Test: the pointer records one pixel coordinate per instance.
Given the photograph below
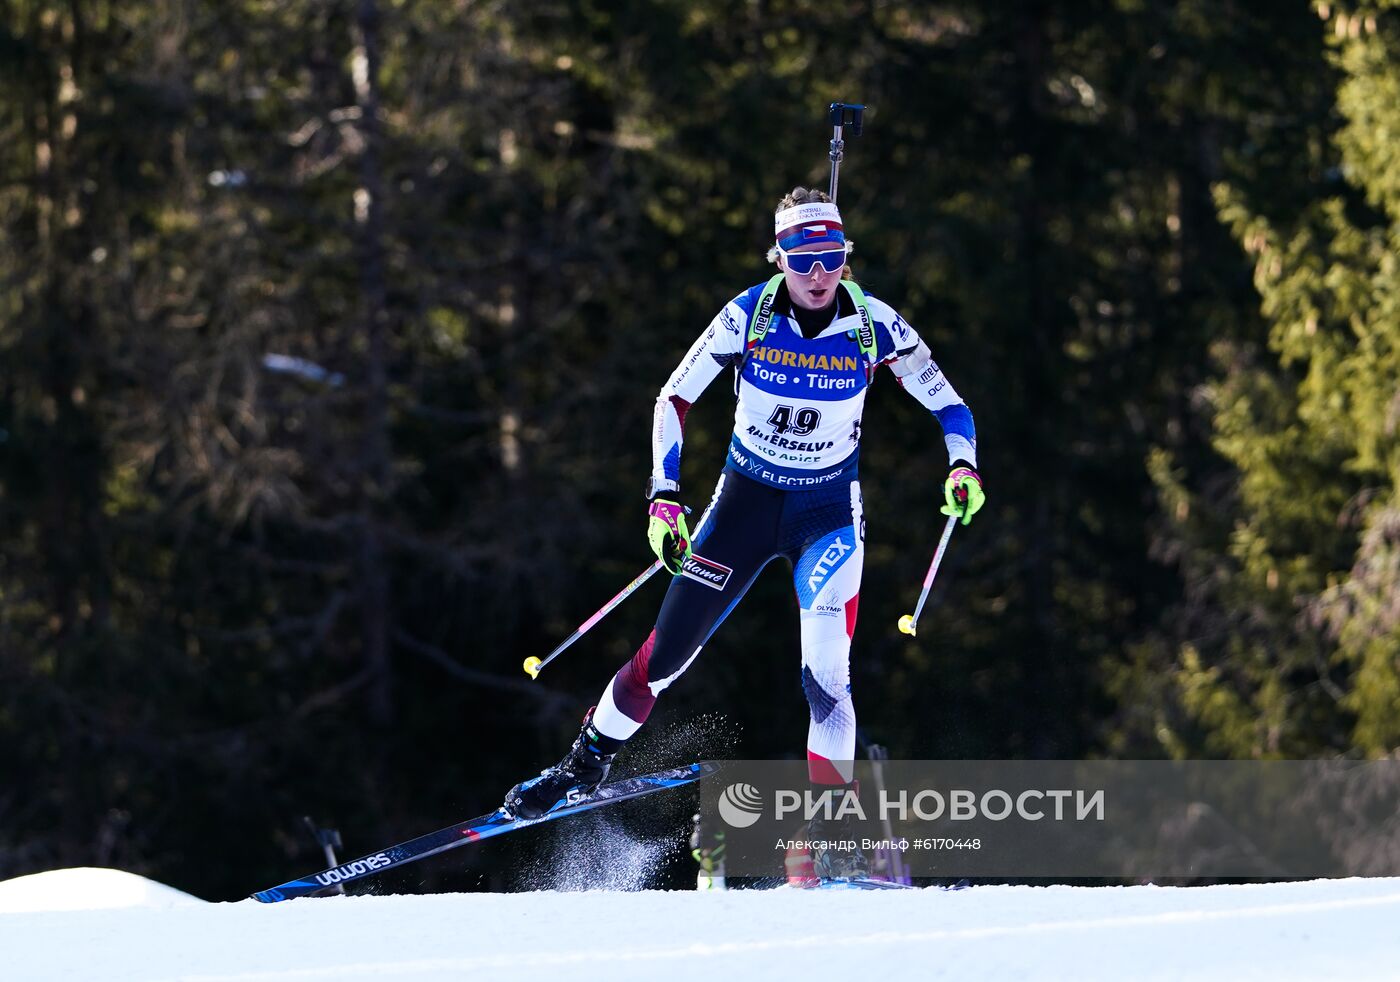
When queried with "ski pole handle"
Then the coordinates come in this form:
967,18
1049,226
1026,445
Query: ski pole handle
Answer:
533,664
909,622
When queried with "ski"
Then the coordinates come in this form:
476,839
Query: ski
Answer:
860,883
476,829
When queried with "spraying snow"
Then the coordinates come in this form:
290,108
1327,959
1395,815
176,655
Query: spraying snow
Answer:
597,852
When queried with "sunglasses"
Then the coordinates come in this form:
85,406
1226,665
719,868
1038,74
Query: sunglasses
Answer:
801,263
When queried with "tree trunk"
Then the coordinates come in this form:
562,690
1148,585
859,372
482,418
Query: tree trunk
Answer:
376,466
1038,670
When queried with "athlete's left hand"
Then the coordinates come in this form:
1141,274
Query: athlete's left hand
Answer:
667,533
962,493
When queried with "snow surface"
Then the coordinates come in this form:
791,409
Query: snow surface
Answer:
1327,929
86,888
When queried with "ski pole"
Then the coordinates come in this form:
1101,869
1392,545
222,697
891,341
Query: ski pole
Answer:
329,840
533,664
909,622
878,755
842,115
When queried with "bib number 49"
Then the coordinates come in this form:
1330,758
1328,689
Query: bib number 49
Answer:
798,422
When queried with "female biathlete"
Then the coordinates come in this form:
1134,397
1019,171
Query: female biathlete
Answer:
805,346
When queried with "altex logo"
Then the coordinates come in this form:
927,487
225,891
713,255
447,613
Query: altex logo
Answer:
740,805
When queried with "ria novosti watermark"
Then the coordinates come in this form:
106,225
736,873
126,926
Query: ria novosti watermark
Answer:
1128,819
931,804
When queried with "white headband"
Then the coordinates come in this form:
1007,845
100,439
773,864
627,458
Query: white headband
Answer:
818,211
803,224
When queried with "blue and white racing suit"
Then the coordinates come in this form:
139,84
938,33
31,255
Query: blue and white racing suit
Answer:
789,488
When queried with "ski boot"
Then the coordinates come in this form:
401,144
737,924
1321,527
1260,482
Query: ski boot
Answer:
836,852
568,782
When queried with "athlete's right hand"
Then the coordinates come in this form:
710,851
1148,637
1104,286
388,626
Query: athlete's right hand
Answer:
667,533
962,493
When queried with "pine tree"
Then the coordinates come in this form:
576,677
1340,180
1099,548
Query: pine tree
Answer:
1288,643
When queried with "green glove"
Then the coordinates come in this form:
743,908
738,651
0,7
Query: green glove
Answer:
667,533
962,493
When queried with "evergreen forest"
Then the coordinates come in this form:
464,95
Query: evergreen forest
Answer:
331,330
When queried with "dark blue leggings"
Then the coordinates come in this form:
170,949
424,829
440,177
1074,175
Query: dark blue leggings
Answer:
821,532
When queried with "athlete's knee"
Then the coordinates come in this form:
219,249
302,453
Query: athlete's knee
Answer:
630,689
655,666
825,692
